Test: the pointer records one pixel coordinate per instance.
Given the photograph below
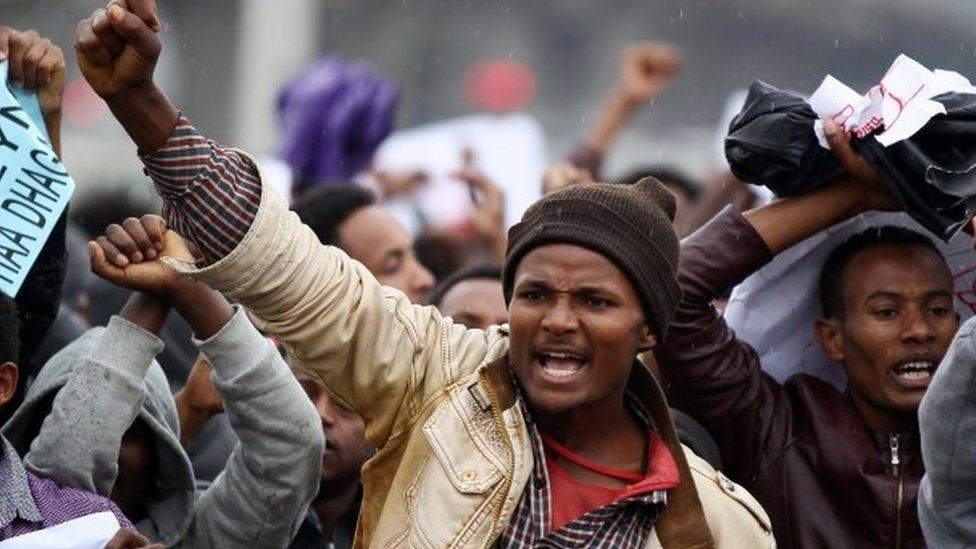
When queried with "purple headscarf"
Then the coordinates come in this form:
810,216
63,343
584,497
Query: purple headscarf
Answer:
333,117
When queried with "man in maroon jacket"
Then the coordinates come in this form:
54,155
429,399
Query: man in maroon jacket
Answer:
832,469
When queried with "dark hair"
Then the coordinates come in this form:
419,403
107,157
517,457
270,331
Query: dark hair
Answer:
324,209
668,176
491,272
9,330
832,275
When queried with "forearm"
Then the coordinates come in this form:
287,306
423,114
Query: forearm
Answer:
615,116
786,222
205,310
52,122
277,427
79,442
146,115
192,419
146,311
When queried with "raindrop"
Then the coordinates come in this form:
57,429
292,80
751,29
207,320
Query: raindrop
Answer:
681,13
836,42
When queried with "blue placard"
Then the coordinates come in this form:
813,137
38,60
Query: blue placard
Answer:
34,185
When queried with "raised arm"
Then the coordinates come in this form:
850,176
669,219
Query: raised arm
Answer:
380,354
714,376
272,474
108,371
646,70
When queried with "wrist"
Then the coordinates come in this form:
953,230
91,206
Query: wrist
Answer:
146,114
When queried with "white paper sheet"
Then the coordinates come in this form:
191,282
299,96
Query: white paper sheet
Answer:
901,104
509,149
88,532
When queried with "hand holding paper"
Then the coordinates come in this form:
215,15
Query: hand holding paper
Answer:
36,66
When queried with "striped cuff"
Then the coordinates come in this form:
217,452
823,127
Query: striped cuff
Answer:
211,193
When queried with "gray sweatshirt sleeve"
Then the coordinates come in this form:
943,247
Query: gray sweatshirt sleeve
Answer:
78,444
947,418
261,497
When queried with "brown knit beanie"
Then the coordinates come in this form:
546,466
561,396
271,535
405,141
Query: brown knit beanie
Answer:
628,224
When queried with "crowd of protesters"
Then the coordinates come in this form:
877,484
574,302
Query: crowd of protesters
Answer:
296,370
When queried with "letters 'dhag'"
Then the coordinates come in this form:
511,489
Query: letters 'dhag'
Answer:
34,186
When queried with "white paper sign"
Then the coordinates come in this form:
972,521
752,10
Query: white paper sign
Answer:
509,149
88,532
901,103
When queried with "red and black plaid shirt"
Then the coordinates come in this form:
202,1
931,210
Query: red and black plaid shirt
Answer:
212,196
625,523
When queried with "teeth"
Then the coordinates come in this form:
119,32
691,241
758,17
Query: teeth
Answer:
926,366
914,375
560,364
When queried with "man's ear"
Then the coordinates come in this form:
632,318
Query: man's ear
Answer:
8,381
830,337
648,339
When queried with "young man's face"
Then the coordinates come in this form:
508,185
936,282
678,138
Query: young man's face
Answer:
376,239
898,323
476,303
346,447
576,326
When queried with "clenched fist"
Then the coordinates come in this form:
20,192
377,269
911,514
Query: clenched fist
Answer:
127,255
118,46
647,69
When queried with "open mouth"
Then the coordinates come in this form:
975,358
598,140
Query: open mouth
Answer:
561,364
915,371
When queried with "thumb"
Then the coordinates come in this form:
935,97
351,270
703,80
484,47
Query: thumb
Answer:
101,266
855,165
135,32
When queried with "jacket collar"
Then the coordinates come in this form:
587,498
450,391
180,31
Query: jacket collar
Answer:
683,523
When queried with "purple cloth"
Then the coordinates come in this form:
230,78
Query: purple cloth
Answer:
32,503
333,117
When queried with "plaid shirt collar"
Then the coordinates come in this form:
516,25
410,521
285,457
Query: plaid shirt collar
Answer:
625,523
17,500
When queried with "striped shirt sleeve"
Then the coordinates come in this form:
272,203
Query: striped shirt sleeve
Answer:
211,194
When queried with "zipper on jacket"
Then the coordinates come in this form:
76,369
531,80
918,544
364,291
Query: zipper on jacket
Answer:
894,443
507,480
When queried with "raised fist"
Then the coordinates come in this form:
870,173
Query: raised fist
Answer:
127,255
118,46
35,64
647,69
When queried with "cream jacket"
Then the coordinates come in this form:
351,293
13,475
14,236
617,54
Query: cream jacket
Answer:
451,462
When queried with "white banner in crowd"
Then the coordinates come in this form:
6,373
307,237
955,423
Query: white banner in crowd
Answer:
34,186
510,150
775,309
88,532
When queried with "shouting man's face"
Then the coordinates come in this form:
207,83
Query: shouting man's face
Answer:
576,326
896,325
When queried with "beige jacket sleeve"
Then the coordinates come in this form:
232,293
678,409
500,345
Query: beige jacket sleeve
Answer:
378,353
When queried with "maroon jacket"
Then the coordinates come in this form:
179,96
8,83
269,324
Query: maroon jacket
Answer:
801,449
